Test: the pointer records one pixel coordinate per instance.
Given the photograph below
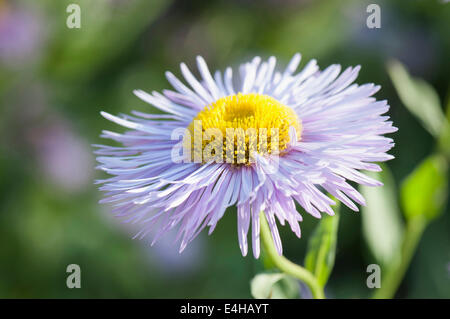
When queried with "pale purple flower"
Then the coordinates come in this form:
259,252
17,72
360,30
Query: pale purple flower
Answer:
64,157
21,35
338,132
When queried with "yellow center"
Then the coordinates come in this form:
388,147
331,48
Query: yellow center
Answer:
236,125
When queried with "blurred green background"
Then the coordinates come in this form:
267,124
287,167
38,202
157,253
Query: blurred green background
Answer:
54,81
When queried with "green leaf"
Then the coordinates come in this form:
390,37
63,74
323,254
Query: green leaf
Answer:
381,218
444,140
424,192
274,286
447,108
419,97
322,248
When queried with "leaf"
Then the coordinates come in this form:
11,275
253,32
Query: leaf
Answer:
322,248
447,108
274,286
444,140
419,97
425,190
381,218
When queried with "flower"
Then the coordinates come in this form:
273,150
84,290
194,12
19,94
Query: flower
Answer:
21,35
319,130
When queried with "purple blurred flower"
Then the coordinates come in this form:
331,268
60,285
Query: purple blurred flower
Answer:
332,129
63,156
21,35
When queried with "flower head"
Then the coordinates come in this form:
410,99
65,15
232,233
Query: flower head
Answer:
264,144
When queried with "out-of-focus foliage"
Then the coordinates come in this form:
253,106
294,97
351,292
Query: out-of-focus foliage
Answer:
381,218
425,191
419,97
422,100
108,28
54,81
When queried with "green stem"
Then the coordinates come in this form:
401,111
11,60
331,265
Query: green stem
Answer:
395,273
286,265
